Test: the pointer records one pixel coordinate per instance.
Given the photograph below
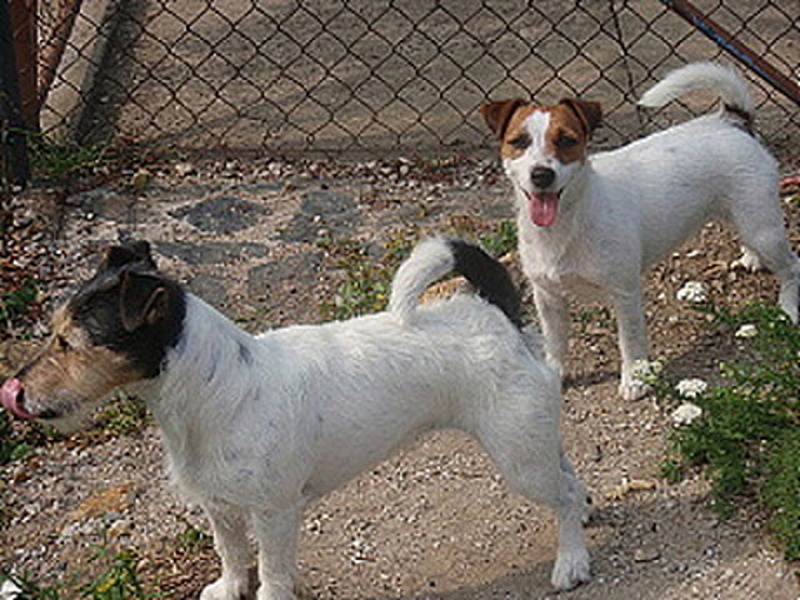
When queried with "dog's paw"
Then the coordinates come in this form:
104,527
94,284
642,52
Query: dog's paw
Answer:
225,589
633,389
571,569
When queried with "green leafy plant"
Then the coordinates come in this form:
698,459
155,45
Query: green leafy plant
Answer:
119,580
16,302
58,159
126,416
747,438
12,446
193,538
503,241
367,281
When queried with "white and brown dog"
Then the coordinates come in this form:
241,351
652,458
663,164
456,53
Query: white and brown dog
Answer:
589,225
255,428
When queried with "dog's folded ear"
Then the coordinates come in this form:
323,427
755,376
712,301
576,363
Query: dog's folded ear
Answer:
498,114
590,114
144,299
119,256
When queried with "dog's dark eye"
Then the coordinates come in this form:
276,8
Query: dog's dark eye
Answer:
566,141
520,142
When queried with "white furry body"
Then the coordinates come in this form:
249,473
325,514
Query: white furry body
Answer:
621,211
256,427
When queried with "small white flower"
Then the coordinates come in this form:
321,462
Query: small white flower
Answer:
685,414
647,370
692,291
746,331
691,388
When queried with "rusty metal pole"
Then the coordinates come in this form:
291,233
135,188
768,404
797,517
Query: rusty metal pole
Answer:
23,32
13,129
735,48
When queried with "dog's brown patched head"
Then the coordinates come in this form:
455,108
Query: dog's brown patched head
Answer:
570,126
115,330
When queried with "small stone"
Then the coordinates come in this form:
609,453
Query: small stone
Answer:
642,555
140,180
184,169
120,528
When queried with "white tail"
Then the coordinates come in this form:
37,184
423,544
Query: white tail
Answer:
429,261
726,81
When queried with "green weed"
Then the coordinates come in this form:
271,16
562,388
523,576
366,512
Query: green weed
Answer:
367,281
17,302
57,160
12,447
126,416
119,580
503,241
747,439
193,538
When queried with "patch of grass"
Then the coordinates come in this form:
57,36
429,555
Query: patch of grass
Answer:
59,159
119,580
12,446
502,241
193,538
368,280
16,302
126,416
748,439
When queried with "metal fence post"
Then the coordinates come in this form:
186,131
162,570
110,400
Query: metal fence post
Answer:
13,140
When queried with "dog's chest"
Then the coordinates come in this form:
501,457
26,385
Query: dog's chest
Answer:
562,270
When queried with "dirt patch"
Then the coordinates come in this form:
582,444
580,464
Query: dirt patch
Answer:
436,521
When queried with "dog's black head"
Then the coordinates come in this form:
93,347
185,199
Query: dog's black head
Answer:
115,330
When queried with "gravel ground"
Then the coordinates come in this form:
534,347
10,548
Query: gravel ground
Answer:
435,521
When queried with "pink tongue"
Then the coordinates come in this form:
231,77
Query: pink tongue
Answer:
8,394
543,208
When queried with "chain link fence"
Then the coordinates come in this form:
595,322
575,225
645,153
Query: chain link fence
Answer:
355,77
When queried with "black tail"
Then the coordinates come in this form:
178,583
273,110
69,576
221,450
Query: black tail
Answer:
490,278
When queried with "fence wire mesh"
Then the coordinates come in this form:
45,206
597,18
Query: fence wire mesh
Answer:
396,76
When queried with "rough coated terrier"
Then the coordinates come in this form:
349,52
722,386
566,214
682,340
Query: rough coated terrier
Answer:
590,225
257,427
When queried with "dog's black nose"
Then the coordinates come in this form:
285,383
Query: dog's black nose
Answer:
542,177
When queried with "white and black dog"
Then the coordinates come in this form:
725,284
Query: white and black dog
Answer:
589,225
255,428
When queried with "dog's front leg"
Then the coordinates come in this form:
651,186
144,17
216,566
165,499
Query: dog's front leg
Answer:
233,547
553,311
276,534
632,341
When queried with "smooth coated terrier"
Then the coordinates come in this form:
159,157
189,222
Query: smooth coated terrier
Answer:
257,427
590,225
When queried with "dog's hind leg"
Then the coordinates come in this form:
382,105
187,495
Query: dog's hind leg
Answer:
525,447
572,562
763,234
632,340
233,547
276,534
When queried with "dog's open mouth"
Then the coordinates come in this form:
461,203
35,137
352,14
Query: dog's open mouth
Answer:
543,207
12,396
